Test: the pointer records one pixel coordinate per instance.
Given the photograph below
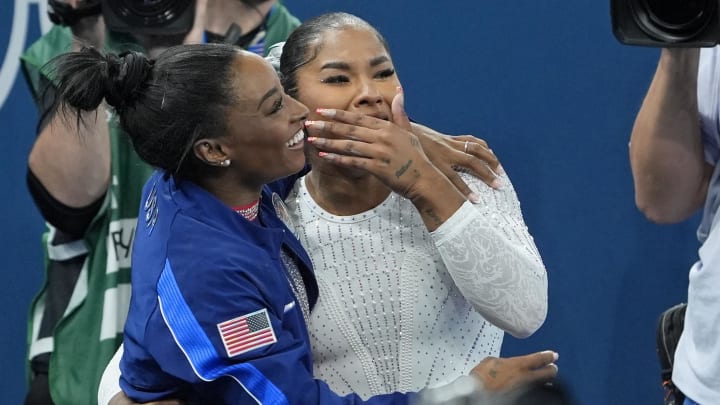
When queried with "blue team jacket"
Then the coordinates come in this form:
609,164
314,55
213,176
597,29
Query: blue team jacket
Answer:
197,267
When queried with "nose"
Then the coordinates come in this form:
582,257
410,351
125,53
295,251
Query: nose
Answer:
300,112
368,95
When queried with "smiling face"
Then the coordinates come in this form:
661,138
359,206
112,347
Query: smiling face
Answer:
264,137
351,71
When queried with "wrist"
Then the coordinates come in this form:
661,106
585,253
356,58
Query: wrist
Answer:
681,62
435,198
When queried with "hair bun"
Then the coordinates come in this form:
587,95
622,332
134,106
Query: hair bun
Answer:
126,76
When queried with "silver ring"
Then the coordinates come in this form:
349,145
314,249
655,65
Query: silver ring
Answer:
466,145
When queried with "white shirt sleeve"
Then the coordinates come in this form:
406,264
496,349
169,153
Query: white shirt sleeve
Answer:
708,93
110,381
493,259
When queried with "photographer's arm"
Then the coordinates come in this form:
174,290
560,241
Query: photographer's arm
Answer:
666,154
75,167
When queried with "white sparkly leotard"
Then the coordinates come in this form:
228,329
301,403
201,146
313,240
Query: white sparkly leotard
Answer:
401,308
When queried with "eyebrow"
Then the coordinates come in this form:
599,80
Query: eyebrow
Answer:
378,60
267,96
345,66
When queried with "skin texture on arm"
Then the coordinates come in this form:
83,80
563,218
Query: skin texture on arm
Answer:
670,174
63,153
73,163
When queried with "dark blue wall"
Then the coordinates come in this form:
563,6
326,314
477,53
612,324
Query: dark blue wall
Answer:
555,95
20,239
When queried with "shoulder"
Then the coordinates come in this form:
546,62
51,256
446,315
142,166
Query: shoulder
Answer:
51,44
281,15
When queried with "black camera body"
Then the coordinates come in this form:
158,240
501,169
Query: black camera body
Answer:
666,23
144,17
149,17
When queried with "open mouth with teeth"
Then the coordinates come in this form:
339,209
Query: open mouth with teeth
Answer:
296,139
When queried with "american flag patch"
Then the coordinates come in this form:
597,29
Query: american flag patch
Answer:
247,332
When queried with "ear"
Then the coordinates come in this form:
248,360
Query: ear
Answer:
210,151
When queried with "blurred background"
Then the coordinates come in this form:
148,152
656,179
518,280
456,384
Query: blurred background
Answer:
555,95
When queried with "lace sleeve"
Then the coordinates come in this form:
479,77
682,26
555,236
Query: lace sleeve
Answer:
493,259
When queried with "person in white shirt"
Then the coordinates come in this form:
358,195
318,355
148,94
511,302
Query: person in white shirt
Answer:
674,153
411,294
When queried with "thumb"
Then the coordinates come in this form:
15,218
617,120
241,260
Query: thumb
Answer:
400,117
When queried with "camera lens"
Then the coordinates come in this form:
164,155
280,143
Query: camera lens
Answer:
677,13
150,12
673,20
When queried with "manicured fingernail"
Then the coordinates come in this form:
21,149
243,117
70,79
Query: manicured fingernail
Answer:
315,124
325,155
497,184
326,112
500,170
555,354
473,197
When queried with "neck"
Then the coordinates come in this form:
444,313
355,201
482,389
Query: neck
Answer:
223,13
232,193
344,193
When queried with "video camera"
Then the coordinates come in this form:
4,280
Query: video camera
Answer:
666,23
145,17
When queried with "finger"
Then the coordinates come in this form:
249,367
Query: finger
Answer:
345,147
484,153
458,182
478,168
399,116
472,139
544,374
539,359
347,161
353,118
338,129
481,152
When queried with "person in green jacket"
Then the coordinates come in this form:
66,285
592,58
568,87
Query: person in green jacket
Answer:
87,189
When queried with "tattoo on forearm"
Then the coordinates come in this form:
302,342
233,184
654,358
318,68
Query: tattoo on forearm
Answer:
492,373
415,141
403,169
